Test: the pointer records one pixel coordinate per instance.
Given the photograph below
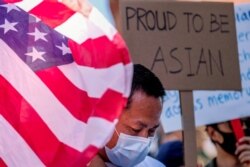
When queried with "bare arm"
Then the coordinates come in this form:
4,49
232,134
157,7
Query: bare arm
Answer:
97,161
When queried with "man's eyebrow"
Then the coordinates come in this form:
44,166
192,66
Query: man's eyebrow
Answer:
156,126
144,125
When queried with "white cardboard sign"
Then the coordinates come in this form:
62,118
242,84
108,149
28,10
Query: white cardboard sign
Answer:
188,45
216,106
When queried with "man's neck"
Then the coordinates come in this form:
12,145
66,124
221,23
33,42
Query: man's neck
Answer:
225,159
103,155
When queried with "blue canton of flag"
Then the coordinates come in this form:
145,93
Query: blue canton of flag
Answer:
64,79
38,45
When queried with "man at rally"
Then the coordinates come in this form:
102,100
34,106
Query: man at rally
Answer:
230,152
137,124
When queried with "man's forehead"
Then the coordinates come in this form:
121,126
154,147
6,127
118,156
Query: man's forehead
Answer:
156,123
245,119
146,124
244,122
133,118
226,124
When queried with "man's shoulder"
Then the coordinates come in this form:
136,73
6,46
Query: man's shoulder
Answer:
97,161
149,162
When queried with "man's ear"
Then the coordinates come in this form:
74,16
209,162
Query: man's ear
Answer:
210,131
214,135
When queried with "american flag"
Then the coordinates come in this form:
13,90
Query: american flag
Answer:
64,79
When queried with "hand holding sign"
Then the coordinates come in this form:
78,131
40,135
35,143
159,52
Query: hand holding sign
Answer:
243,151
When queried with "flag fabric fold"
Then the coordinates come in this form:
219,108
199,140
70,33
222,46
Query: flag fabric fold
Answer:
64,79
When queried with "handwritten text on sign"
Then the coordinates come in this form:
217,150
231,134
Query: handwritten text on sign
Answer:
188,45
216,106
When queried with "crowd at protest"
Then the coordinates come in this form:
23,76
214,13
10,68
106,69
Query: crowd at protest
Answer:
217,145
139,140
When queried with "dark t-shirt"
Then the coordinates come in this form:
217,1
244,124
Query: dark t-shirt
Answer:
212,163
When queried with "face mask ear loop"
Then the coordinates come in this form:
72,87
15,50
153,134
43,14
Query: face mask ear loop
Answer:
153,138
117,132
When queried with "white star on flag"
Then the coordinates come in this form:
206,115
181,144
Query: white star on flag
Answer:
38,35
65,50
36,55
7,26
10,7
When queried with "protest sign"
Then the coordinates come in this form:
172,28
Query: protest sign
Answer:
189,45
216,106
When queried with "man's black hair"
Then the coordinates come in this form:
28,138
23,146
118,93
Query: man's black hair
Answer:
146,81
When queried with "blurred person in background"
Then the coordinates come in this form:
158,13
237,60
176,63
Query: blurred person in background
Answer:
171,154
171,149
230,152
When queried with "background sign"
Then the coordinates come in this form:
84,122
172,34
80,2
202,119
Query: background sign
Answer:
189,45
217,106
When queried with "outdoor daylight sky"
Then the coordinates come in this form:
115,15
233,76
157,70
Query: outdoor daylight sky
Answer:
103,6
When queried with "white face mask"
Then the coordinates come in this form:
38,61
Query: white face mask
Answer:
129,150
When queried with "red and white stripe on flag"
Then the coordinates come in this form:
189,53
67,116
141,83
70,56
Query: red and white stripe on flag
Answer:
61,115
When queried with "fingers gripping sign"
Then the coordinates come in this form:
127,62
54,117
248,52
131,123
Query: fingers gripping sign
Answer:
243,151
